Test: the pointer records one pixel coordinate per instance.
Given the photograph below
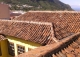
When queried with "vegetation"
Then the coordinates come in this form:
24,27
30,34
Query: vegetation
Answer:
36,5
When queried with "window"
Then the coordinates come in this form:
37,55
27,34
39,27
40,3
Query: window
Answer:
0,52
11,48
20,49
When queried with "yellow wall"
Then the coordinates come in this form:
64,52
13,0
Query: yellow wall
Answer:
21,42
4,48
0,47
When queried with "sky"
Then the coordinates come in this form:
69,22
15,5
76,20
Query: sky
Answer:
72,3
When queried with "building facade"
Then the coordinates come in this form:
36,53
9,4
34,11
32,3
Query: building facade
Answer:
4,12
12,46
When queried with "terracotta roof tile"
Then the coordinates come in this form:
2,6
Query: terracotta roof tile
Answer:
31,31
72,49
2,37
65,22
64,48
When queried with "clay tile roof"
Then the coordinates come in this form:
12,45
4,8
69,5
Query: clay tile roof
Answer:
39,32
2,37
65,23
68,47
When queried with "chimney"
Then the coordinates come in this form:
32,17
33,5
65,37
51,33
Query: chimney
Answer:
4,12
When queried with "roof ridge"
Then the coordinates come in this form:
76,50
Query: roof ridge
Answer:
33,22
57,11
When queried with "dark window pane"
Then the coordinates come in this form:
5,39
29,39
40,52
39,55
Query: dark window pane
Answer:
21,49
11,48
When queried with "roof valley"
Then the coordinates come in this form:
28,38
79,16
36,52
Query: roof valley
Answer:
53,33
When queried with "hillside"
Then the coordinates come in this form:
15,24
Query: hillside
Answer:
36,5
